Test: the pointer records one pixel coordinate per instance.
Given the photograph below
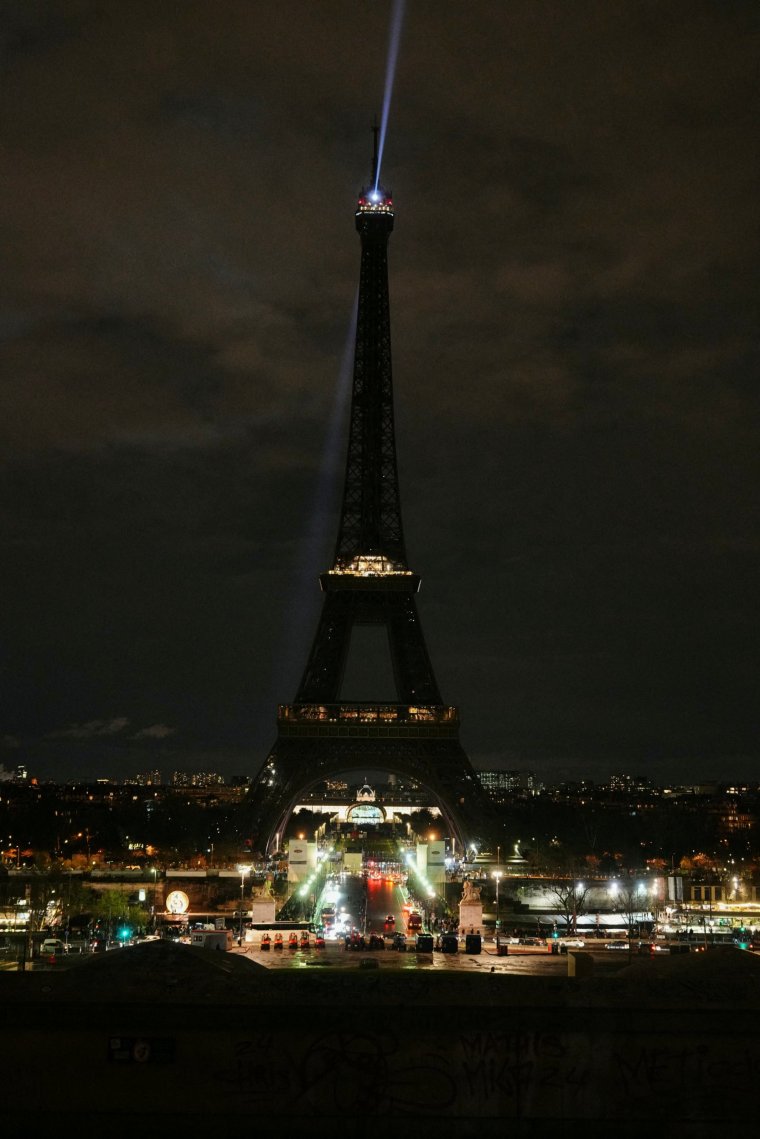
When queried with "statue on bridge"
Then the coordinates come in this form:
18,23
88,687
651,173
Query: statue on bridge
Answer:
263,889
470,892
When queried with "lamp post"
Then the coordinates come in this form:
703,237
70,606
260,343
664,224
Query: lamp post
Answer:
496,875
655,906
243,871
154,872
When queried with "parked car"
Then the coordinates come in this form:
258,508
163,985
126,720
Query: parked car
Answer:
52,947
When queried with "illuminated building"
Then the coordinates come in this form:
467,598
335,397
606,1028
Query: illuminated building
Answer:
321,734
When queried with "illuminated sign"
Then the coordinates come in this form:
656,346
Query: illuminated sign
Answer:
177,902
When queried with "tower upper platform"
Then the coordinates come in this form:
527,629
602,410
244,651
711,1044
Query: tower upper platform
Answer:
374,211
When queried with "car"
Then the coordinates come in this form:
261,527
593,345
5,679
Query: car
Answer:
52,947
573,942
616,945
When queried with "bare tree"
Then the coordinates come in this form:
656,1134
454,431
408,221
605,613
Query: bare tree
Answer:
632,904
570,902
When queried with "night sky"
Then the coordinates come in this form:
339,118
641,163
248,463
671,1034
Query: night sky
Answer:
574,291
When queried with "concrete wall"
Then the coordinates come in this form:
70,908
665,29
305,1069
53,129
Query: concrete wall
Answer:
465,1055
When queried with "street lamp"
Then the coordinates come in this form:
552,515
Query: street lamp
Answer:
154,872
578,888
496,875
243,870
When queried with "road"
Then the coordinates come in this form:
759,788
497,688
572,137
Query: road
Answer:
368,902
383,898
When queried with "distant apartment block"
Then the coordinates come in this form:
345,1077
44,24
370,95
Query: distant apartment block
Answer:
629,783
145,779
197,779
499,784
336,786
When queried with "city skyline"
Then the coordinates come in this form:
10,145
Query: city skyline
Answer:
574,343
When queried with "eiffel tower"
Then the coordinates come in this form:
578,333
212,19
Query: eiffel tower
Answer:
369,583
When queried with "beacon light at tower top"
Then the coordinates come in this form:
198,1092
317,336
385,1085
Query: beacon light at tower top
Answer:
375,200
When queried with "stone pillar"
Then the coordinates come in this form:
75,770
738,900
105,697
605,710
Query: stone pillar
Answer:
471,916
263,910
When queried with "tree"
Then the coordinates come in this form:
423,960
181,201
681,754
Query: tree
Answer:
44,900
632,904
115,910
422,822
76,898
570,901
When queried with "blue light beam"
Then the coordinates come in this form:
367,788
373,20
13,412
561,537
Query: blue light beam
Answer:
305,598
394,39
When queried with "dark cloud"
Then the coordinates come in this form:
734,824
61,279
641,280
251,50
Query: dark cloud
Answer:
155,732
574,290
92,729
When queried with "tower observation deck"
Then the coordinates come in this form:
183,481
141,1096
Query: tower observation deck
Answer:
369,583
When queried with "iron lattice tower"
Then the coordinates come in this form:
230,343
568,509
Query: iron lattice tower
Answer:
369,583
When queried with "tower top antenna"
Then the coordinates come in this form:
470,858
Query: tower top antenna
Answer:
373,198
